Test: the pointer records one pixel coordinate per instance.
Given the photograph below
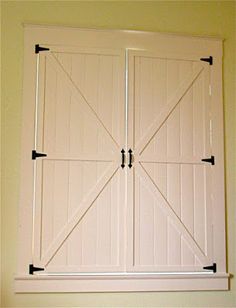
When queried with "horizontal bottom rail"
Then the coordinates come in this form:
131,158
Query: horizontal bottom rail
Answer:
128,274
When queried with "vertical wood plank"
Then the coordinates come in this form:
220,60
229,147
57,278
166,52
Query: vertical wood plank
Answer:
77,114
89,225
173,134
60,209
200,206
136,96
76,195
115,219
173,150
49,139
159,89
172,79
136,219
199,117
173,188
62,139
90,145
146,232
47,204
161,242
187,256
145,93
187,202
174,244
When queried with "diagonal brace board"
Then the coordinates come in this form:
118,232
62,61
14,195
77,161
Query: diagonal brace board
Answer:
85,205
166,207
167,110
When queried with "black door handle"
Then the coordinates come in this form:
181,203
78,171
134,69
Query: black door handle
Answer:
122,158
130,158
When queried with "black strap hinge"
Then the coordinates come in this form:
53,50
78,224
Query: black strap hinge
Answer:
40,48
33,269
211,267
36,154
209,160
209,60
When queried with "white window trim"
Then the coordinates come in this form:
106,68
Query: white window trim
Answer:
24,282
124,283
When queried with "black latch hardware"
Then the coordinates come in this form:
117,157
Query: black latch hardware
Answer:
130,158
33,269
209,60
40,48
209,160
36,155
122,158
211,267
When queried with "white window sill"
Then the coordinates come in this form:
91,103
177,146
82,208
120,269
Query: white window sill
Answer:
120,282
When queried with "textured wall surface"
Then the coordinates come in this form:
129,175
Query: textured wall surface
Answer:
205,18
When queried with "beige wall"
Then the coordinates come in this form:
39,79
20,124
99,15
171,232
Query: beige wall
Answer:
206,18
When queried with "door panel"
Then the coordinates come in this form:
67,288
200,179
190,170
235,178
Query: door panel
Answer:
171,204
82,219
69,107
79,191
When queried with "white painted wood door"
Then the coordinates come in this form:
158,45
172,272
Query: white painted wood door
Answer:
170,210
79,186
80,210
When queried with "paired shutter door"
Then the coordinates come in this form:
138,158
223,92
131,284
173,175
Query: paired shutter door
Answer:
92,215
79,219
170,133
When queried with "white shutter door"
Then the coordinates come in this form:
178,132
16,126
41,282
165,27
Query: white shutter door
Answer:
170,187
79,195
